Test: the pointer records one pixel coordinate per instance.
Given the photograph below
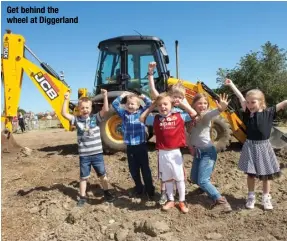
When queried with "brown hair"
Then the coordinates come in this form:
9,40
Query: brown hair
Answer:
197,97
258,94
84,99
162,96
177,88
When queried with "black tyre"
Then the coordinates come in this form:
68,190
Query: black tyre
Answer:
221,133
111,133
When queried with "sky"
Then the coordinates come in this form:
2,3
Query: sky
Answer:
211,35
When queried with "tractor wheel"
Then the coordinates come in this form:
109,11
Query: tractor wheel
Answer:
221,133
111,133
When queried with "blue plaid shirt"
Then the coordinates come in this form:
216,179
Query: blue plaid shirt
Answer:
133,129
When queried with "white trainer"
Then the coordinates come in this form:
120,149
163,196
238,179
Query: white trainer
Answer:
250,202
266,202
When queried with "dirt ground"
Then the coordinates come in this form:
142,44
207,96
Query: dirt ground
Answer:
40,188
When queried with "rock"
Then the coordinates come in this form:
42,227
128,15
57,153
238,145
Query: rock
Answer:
26,151
111,221
112,236
34,209
213,236
167,237
103,229
150,228
122,234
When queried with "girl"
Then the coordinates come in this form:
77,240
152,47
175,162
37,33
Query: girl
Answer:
257,157
203,150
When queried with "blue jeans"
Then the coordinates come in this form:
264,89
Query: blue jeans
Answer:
202,168
95,161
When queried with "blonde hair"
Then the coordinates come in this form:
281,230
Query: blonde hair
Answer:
177,88
197,97
162,96
258,94
131,96
84,99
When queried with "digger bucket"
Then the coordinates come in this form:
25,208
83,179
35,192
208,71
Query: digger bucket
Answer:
8,143
278,138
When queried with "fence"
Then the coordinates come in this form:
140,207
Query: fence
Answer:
37,125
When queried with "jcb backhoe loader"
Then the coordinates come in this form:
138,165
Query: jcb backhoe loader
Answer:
122,66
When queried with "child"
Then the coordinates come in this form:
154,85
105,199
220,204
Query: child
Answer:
203,150
89,143
177,93
135,139
257,157
170,137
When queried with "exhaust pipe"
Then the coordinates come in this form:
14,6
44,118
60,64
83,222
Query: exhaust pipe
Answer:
176,58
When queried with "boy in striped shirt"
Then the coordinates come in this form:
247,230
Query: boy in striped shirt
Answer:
135,139
89,143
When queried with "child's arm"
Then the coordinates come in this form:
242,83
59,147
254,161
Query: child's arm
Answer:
117,105
145,114
105,107
147,102
151,67
282,105
241,98
221,106
65,107
185,105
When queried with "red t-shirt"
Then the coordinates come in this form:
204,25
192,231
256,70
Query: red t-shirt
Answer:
169,131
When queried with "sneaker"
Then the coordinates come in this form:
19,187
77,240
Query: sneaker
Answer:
250,202
109,197
183,207
266,202
168,205
222,205
163,199
81,201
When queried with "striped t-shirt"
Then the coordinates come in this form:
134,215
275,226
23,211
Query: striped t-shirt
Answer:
88,132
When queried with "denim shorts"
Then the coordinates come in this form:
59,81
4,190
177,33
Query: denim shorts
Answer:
96,161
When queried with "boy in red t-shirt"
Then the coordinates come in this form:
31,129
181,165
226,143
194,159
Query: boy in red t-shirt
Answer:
170,137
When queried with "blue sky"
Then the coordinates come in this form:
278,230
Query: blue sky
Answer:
210,34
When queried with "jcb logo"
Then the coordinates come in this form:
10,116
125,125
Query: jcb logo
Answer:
47,85
5,50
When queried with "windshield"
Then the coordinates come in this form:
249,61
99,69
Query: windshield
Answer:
108,66
139,55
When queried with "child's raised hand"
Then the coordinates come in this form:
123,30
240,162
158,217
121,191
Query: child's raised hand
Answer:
223,103
228,82
104,92
67,95
151,67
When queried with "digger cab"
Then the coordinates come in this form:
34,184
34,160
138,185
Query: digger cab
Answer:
123,64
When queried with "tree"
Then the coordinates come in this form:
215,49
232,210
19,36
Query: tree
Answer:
265,70
21,110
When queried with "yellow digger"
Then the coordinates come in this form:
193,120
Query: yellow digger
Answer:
122,66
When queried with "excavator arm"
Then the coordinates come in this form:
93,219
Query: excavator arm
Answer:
47,81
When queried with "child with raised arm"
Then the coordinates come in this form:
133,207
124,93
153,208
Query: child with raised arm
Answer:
177,93
203,150
257,157
135,139
89,143
169,130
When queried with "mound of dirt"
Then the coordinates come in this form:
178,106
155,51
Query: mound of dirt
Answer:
8,143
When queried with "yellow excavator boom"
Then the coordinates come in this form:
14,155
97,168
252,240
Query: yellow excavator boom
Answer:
13,65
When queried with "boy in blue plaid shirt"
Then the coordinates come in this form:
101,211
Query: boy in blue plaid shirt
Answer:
135,139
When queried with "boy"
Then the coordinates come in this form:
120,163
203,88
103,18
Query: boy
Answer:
135,139
170,137
177,94
89,143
